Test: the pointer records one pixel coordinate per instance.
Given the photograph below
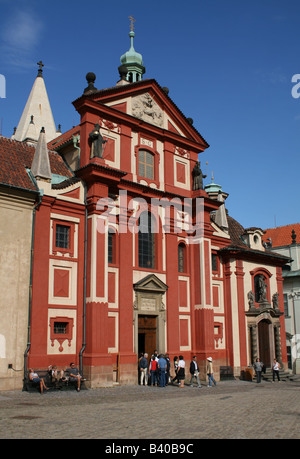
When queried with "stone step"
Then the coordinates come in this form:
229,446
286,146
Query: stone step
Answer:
268,375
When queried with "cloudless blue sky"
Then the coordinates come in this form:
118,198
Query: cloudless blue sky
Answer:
228,65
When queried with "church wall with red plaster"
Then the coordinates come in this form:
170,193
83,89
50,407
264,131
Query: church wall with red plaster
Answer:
198,311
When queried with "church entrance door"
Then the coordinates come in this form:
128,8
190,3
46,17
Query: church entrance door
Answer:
149,315
146,334
264,342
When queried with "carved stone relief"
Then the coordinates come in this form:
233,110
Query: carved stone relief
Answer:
146,109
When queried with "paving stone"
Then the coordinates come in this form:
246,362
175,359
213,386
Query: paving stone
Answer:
231,410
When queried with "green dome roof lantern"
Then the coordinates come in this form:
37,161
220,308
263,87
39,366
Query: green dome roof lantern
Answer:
213,187
133,60
132,57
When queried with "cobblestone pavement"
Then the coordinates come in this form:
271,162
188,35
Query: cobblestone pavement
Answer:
232,410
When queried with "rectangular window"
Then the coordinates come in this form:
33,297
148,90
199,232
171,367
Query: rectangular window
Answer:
146,164
62,237
286,304
146,242
214,262
111,249
146,251
60,328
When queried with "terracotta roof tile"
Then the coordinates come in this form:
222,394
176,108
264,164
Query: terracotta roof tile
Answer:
282,235
235,230
64,138
16,156
58,166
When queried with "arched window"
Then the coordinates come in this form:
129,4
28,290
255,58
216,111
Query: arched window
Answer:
146,164
182,258
146,239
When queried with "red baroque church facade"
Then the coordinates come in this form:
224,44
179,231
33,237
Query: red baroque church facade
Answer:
132,253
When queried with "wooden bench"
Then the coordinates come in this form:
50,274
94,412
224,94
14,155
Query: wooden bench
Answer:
52,384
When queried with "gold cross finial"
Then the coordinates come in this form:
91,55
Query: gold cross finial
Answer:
132,20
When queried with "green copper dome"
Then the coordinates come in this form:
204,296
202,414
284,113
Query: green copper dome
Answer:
213,188
133,61
132,57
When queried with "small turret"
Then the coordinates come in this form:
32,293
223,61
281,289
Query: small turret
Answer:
131,60
40,167
215,191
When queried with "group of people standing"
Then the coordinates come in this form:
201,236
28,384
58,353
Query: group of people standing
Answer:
259,368
157,371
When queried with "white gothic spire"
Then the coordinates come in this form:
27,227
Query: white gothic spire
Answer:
38,111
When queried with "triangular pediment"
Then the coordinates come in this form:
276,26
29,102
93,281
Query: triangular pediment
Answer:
151,283
147,101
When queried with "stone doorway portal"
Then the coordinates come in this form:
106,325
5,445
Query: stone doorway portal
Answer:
264,334
149,315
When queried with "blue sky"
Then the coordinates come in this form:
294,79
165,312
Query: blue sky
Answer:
228,65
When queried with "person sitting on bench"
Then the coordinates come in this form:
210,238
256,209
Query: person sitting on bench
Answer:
75,376
55,374
34,377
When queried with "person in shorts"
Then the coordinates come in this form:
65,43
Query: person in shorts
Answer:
75,376
34,377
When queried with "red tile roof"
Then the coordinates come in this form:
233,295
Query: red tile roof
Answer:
64,138
282,235
236,230
16,156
